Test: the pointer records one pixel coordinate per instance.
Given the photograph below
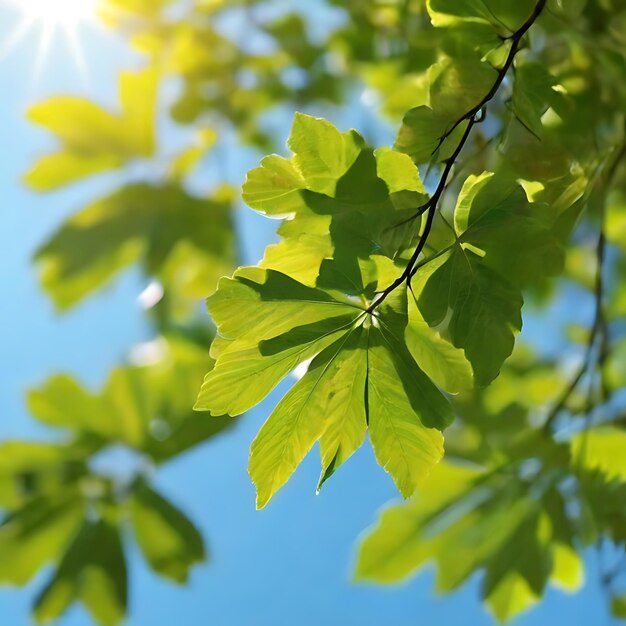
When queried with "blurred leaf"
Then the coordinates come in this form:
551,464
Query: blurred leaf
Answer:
618,606
93,571
533,92
31,469
169,541
146,408
138,223
37,534
465,523
93,139
602,449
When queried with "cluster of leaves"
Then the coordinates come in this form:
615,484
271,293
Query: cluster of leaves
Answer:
354,227
399,279
400,298
66,509
59,507
509,502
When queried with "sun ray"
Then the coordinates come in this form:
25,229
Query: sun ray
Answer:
47,31
76,49
16,37
52,17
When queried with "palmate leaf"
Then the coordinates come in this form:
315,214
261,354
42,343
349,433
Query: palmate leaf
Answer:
61,509
361,374
145,408
185,241
466,522
341,198
350,220
93,571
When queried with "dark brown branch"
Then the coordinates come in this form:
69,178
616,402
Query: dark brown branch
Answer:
516,40
473,117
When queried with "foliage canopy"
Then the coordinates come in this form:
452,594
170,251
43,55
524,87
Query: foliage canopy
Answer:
398,285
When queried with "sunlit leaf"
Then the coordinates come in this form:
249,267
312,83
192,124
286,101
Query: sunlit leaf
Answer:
92,138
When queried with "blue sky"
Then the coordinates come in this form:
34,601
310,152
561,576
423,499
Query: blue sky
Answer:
289,564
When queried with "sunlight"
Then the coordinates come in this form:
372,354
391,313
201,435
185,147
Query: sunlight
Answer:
50,16
58,12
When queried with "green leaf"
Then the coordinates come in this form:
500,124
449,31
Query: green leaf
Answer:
147,408
242,377
63,403
505,15
93,571
332,391
419,135
485,308
36,534
139,223
34,469
533,93
274,187
494,215
346,410
93,139
170,543
322,154
458,84
397,546
280,304
293,323
343,200
403,405
512,596
601,449
618,606
302,321
304,246
439,359
568,572
465,522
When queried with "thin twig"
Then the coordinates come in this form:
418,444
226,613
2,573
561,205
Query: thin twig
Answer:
598,331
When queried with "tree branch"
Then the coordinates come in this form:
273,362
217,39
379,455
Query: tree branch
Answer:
598,331
473,117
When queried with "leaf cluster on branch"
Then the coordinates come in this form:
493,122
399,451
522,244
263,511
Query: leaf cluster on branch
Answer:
397,289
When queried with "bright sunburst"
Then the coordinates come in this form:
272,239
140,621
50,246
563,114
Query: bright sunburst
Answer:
66,13
49,17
